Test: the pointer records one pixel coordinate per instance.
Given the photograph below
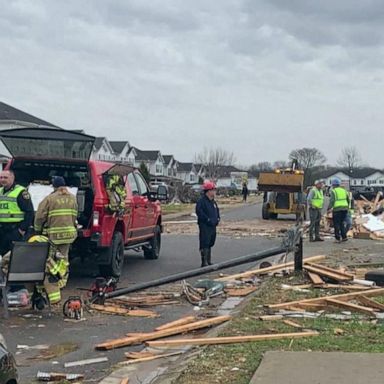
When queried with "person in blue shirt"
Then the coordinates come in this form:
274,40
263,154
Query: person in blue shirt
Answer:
208,218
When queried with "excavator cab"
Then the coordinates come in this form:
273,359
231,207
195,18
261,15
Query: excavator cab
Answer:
283,192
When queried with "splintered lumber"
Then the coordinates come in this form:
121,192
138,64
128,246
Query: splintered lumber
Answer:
347,287
240,292
333,270
86,362
138,355
370,303
230,339
292,323
126,341
335,275
123,311
124,381
351,307
177,323
343,296
315,278
150,358
271,317
274,268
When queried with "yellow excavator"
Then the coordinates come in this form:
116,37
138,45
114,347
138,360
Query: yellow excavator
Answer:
283,192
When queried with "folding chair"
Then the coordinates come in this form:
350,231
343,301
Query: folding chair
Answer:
27,265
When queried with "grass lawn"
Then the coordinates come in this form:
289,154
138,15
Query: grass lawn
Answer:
168,209
237,363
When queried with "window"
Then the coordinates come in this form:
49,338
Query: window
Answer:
191,177
354,182
362,182
142,185
133,184
159,168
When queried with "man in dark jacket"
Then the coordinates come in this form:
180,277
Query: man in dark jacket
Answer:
208,217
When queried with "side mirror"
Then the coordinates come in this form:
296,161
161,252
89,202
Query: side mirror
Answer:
162,193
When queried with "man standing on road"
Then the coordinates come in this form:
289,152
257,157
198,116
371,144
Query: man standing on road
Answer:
208,217
57,216
339,205
315,203
16,211
245,192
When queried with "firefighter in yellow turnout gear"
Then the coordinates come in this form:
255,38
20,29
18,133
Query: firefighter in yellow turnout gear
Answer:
57,218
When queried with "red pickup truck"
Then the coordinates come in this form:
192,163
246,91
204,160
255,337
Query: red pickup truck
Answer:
38,154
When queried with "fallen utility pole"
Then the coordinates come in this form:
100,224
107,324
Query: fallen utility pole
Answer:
289,243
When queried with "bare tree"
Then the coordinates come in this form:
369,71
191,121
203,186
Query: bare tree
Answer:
308,159
350,158
280,164
213,159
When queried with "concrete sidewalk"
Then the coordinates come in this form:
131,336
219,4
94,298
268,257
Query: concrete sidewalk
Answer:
320,368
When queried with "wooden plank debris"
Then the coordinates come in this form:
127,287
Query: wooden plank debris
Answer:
124,381
86,362
150,358
315,278
123,311
274,268
332,270
351,307
334,275
230,339
370,303
177,323
125,341
343,296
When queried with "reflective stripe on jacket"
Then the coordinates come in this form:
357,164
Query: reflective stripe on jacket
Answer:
10,211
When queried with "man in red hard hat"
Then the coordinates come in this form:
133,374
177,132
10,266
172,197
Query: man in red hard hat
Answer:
208,217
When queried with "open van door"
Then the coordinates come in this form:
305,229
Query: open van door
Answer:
47,144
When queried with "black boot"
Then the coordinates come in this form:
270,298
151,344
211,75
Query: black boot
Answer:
204,257
209,261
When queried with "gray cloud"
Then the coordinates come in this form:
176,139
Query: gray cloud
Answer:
258,77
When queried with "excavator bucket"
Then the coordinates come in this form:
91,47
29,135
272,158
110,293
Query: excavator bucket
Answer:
281,182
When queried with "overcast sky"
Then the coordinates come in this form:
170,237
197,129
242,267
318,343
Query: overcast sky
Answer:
256,77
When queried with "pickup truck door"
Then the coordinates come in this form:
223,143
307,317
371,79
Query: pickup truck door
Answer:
147,212
137,206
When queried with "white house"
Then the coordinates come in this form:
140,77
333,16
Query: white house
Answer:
229,176
102,150
358,178
153,160
124,152
187,173
170,166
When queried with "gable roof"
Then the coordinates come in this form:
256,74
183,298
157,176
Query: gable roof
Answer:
358,173
99,142
9,113
118,146
169,159
226,170
147,155
185,167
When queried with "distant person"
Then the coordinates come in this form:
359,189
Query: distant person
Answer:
208,218
315,201
245,192
339,206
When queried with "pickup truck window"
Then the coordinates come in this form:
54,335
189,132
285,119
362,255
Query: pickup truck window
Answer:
142,185
133,184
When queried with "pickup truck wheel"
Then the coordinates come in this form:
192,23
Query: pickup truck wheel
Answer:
153,251
264,212
116,257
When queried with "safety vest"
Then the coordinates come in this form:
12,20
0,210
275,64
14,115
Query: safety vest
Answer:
318,198
10,211
341,198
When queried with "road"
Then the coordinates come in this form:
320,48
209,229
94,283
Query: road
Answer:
179,253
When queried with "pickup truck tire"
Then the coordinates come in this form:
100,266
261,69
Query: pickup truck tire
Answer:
273,216
116,257
153,251
264,211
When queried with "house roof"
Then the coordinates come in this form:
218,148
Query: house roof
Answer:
358,173
7,112
168,159
226,170
99,142
147,155
185,167
118,146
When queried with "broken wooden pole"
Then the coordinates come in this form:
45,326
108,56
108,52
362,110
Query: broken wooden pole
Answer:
177,323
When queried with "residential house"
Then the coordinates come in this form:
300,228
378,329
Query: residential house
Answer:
123,152
358,178
170,166
230,176
153,160
11,117
200,168
102,150
187,173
